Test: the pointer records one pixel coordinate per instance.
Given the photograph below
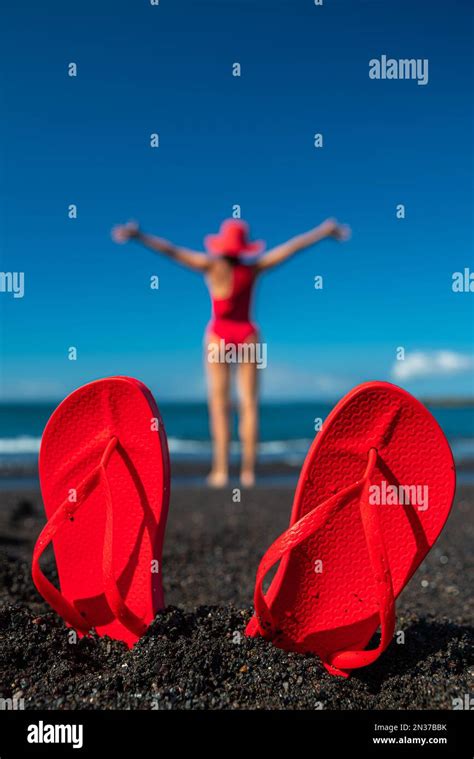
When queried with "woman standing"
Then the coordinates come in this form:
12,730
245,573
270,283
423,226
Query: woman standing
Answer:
230,280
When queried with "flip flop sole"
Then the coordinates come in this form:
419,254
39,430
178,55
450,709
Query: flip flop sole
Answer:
324,596
138,473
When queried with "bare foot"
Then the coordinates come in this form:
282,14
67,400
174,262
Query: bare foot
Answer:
247,479
217,479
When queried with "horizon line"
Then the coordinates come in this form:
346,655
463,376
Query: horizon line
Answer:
439,401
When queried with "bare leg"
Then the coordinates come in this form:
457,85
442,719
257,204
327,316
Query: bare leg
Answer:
248,422
219,407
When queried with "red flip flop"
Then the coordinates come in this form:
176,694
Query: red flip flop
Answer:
373,495
104,471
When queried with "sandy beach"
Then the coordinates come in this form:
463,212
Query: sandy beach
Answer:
195,655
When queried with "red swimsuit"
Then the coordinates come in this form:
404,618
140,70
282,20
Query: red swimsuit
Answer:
230,316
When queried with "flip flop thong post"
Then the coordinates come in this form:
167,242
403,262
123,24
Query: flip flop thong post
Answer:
104,472
373,496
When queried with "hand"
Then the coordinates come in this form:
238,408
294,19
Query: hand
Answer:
332,228
125,232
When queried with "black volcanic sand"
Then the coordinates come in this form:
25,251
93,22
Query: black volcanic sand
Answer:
195,655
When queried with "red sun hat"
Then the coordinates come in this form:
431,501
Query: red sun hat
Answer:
233,240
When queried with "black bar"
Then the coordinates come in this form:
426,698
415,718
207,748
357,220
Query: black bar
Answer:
106,734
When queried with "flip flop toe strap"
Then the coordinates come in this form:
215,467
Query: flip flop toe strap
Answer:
300,531
111,589
307,526
386,601
64,513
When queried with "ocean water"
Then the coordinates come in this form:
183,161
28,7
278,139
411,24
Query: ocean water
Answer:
286,431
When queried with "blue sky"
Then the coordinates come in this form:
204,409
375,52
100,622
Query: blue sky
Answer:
225,141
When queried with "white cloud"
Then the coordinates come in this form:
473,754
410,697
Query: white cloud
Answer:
431,363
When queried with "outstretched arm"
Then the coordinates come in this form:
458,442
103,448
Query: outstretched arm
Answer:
189,258
329,228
